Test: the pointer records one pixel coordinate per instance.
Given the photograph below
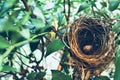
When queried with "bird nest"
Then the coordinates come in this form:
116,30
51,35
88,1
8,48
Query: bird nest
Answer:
91,43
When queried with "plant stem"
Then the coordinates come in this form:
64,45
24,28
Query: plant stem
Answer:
17,45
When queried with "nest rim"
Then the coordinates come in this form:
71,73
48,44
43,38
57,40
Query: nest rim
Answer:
91,59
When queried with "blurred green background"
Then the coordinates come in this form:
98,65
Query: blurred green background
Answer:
30,30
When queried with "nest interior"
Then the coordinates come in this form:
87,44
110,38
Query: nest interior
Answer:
91,43
91,36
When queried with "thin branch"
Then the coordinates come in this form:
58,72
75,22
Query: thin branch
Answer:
64,7
68,63
2,56
27,8
68,11
114,19
3,75
23,62
22,55
54,30
10,73
42,49
102,14
93,11
24,51
14,75
65,10
68,15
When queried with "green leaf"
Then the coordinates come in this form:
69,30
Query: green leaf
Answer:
31,76
61,19
3,43
76,0
14,15
2,51
47,28
34,45
93,3
58,2
55,45
39,23
65,68
104,4
40,75
36,76
57,75
6,25
65,55
113,4
101,78
116,27
16,37
39,13
7,69
83,6
117,65
25,18
117,40
7,5
49,5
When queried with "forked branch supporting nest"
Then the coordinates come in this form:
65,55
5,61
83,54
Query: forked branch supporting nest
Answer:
92,45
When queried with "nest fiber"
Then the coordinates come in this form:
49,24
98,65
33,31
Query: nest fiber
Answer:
91,43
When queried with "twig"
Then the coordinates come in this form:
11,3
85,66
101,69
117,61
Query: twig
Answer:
42,49
114,19
10,73
23,62
64,7
68,63
93,11
27,8
54,30
68,11
68,15
22,55
2,56
4,74
24,51
65,10
65,42
102,14
14,75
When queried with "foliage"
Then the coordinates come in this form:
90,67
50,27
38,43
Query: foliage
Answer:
57,75
117,64
41,25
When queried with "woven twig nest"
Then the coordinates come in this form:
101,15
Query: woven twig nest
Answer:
91,43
